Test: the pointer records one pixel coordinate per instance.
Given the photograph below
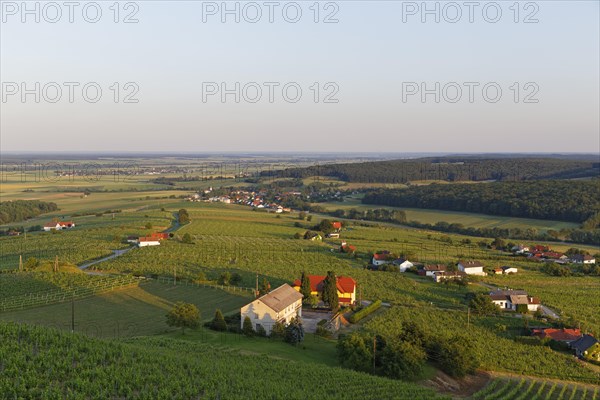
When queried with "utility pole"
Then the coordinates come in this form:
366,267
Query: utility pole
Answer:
174,275
468,316
374,351
256,294
56,264
20,263
73,314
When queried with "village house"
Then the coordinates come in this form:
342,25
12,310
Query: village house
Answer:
510,299
520,249
133,239
430,270
559,335
440,276
346,288
333,235
583,259
279,305
586,347
471,267
402,264
382,257
509,270
148,241
498,271
58,225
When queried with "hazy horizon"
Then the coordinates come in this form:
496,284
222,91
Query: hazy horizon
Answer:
374,69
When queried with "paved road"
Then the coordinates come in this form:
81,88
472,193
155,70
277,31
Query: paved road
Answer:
115,254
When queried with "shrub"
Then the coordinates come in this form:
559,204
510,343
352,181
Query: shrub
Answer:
371,308
218,323
247,327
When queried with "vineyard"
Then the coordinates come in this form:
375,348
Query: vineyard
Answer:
68,287
495,352
42,363
94,237
570,296
531,389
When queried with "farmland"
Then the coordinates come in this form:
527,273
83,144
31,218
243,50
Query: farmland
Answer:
133,311
166,368
522,389
118,324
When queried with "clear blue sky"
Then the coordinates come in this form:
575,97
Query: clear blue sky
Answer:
369,54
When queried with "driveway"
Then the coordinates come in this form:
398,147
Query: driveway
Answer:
310,319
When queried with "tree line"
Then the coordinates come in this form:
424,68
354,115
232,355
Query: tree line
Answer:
451,169
21,210
574,201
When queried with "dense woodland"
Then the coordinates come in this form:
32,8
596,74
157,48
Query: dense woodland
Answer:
21,210
575,201
450,169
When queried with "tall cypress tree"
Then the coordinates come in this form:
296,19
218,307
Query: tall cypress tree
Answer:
305,287
330,295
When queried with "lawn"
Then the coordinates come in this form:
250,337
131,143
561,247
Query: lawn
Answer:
314,349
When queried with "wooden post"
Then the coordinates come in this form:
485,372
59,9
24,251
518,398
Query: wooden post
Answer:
468,316
20,263
374,351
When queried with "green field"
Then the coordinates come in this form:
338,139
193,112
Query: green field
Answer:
469,220
522,389
46,364
134,311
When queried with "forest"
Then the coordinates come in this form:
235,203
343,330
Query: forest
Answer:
21,210
451,169
574,201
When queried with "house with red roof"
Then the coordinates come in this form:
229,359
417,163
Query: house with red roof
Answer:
58,225
559,335
337,225
346,288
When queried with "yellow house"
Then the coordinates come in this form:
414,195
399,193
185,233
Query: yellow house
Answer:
279,305
346,288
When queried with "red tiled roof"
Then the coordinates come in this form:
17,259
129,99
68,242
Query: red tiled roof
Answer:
345,284
564,335
336,225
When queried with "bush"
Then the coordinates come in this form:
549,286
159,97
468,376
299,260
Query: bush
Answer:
278,331
260,331
371,308
247,327
218,323
294,332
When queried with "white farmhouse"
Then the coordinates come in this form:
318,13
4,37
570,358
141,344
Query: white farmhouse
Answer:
509,270
471,267
279,305
583,259
509,299
148,241
403,264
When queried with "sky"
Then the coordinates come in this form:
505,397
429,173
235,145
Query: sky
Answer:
344,76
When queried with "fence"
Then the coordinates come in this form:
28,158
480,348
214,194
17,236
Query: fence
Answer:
185,282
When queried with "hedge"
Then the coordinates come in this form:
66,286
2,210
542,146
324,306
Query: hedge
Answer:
357,316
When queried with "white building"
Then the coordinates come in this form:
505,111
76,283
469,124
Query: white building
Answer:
279,305
509,270
58,225
403,264
471,268
509,299
583,259
148,241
